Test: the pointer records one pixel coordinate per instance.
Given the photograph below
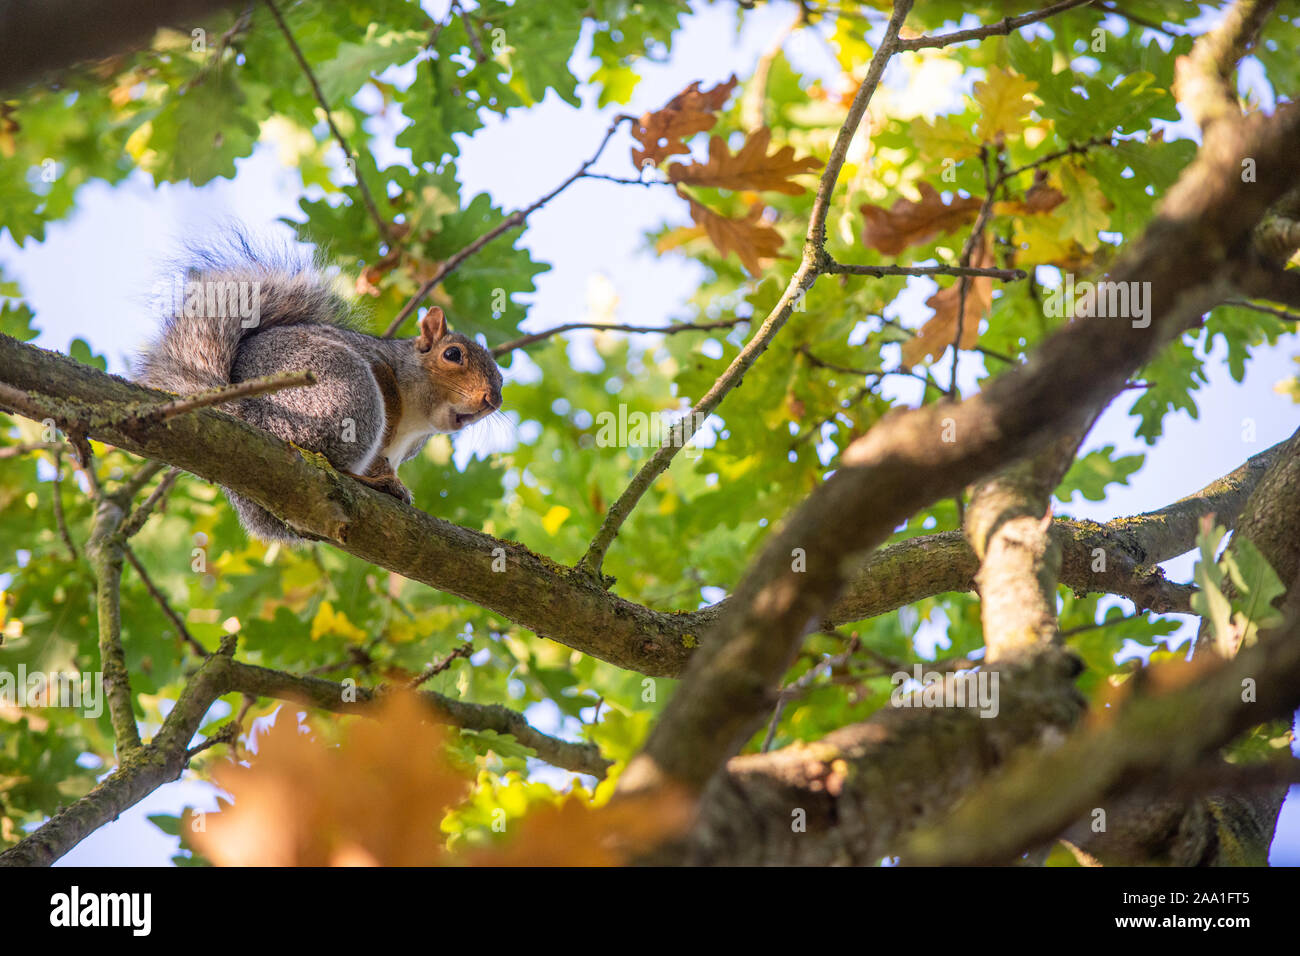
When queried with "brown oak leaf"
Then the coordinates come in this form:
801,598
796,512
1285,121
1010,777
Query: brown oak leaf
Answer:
908,223
663,133
1041,199
749,238
941,328
750,168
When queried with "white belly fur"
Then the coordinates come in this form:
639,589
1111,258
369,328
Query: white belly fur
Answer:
406,440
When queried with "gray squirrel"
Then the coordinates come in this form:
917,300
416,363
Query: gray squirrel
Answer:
247,313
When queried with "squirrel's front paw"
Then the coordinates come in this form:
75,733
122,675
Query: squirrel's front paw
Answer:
392,485
399,491
388,484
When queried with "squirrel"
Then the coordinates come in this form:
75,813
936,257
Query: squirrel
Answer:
375,402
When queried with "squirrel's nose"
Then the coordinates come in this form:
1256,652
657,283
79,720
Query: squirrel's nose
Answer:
492,399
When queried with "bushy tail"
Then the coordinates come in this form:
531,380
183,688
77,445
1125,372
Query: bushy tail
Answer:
221,296
225,294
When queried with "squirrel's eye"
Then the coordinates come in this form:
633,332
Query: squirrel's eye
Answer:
452,355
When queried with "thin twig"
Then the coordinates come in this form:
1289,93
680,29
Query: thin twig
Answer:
1004,275
1119,11
1074,149
132,486
1279,313
512,221
436,668
797,687
227,733
832,367
851,402
629,182
162,602
224,394
471,29
58,503
812,264
16,451
534,337
1003,27
976,237
241,24
384,226
132,525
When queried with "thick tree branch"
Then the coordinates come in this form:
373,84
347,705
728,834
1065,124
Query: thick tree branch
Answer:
1008,525
1177,831
537,594
861,789
1203,82
864,789
37,36
913,458
1155,737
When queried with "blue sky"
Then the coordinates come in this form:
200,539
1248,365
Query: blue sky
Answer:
93,275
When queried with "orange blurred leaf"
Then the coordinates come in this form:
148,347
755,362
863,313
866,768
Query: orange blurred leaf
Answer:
575,834
377,799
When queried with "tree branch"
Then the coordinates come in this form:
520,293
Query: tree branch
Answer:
905,462
1202,81
164,758
1008,525
1003,27
534,337
385,228
38,36
1155,737
533,592
1004,275
812,264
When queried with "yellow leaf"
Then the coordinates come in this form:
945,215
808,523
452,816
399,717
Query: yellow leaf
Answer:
851,50
1083,213
329,621
137,144
943,139
1003,98
555,517
675,238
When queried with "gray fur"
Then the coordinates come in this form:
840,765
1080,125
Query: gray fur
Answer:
302,326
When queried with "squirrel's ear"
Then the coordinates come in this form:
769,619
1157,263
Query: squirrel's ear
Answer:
432,328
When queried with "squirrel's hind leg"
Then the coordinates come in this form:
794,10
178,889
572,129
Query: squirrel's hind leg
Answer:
340,417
